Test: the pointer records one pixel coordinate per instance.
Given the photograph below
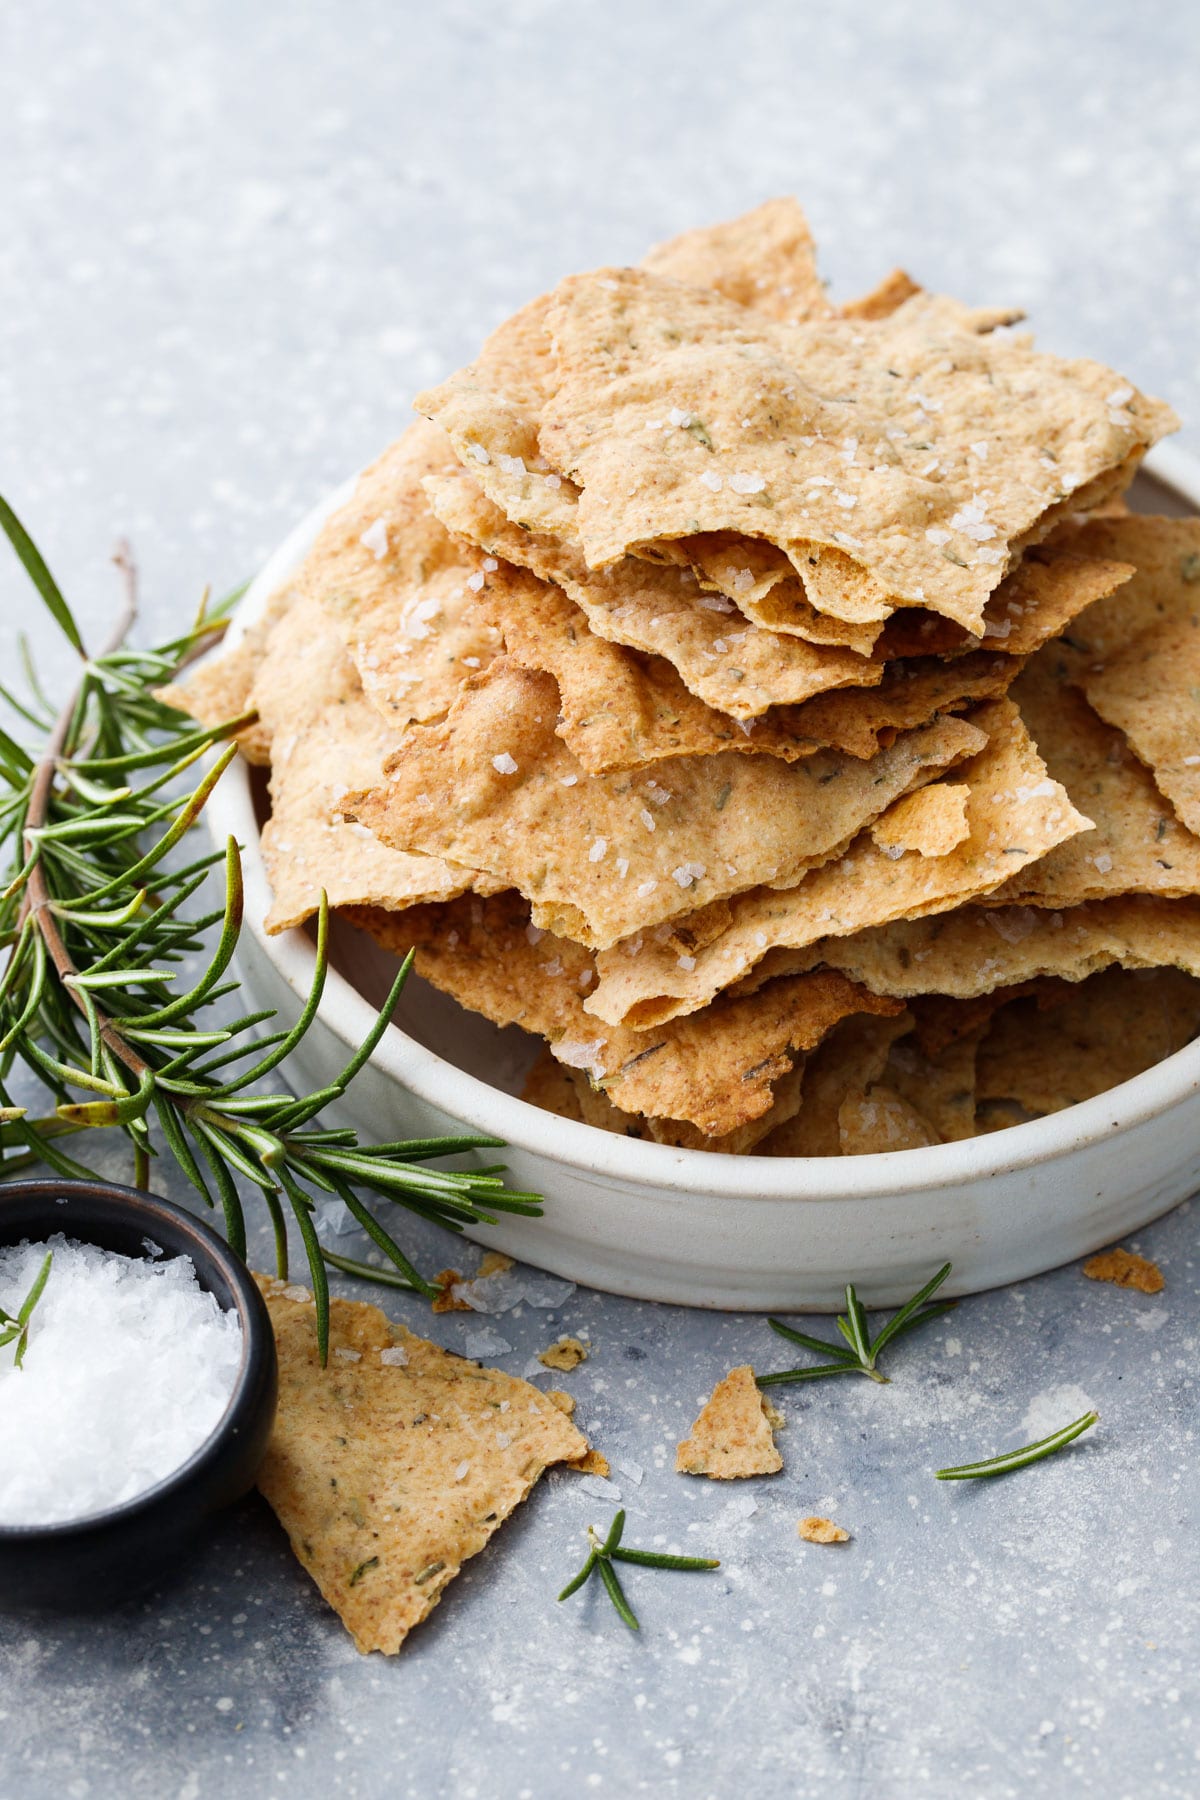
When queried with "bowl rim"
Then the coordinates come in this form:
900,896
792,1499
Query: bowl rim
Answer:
148,1209
878,1177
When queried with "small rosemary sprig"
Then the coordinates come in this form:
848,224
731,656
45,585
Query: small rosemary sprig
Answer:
1020,1459
16,1325
605,1551
95,911
861,1351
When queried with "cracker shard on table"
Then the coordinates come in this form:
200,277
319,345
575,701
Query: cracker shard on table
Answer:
815,1530
733,1435
1124,1268
397,1462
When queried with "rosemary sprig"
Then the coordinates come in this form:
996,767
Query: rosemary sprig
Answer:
16,1325
1020,1459
603,1552
96,912
860,1353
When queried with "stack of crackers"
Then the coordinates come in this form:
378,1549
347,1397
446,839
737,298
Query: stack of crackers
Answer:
769,704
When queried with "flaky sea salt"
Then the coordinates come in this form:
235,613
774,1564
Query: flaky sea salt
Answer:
128,1369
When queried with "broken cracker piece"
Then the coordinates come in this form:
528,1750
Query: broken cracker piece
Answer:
561,1399
387,1474
931,821
1124,1268
594,1463
446,1300
821,1531
732,1437
566,1353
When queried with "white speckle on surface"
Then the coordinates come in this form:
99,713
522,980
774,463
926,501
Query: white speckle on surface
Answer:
505,763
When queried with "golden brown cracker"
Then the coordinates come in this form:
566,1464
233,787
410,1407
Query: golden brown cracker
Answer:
975,950
326,740
931,822
1052,585
1137,845
887,297
939,1085
852,1055
594,1463
1103,1031
764,260
550,1085
944,478
815,1530
1016,813
1124,1268
398,589
604,856
877,1119
1147,685
566,1353
661,610
732,1436
392,1466
718,1073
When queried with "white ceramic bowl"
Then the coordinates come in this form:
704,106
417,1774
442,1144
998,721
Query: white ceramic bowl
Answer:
710,1230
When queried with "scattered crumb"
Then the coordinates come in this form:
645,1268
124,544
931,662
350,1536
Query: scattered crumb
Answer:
566,1354
594,1463
1126,1270
564,1402
819,1531
732,1436
446,1280
494,1263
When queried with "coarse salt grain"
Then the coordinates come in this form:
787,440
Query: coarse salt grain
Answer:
711,480
375,539
129,1367
504,764
475,582
598,849
747,484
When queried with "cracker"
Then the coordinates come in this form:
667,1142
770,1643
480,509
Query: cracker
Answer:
398,588
877,1119
1148,685
930,822
387,1476
975,950
940,1085
660,610
732,1436
815,1530
603,856
718,1073
634,351
851,1056
882,300
619,709
1137,846
325,741
1125,1269
593,1106
1106,1030
221,685
765,260
551,1086
594,1463
565,1353
762,584
1016,813
1052,585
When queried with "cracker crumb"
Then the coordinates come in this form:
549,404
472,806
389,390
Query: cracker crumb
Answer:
732,1436
446,1300
1125,1269
815,1530
594,1463
565,1402
566,1354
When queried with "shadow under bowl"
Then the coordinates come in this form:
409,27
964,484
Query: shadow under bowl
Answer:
86,1564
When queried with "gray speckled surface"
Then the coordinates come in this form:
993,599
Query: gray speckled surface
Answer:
235,240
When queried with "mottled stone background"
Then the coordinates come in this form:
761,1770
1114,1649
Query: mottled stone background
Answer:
234,240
